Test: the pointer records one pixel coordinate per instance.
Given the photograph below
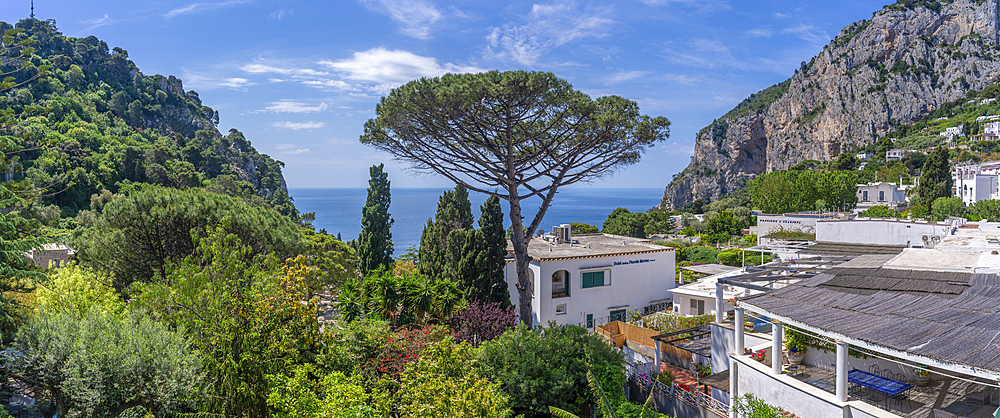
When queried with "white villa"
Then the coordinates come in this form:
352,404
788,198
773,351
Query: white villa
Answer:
952,132
880,193
592,279
976,182
896,154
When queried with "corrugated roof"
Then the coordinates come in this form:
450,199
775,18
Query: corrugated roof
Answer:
949,316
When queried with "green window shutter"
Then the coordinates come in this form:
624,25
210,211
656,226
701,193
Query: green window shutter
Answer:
590,320
598,278
588,280
618,315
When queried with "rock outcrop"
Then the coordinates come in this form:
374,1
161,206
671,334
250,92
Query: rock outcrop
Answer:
877,74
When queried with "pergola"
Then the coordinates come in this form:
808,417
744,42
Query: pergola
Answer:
947,320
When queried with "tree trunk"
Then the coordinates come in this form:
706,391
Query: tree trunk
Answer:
122,408
520,243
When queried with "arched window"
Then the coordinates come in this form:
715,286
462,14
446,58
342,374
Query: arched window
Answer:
531,281
560,284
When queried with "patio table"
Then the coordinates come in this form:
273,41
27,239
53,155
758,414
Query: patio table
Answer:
887,386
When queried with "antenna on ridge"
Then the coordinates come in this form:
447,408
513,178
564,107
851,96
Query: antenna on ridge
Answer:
32,9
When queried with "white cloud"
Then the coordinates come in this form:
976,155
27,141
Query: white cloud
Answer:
393,67
547,27
295,151
278,14
416,18
764,32
298,125
624,76
292,106
682,79
780,15
808,33
200,81
96,23
202,7
264,68
236,83
678,149
371,72
700,6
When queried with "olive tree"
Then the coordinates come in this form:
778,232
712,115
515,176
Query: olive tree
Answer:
514,135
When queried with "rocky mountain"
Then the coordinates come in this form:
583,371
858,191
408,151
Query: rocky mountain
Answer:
875,75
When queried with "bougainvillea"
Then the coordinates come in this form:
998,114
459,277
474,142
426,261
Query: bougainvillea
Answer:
483,321
403,347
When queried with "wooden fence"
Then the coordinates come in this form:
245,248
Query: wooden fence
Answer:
617,332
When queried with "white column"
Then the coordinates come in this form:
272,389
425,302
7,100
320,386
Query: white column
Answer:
734,387
739,331
841,371
777,337
656,357
719,303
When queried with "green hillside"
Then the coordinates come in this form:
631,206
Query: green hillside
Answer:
107,126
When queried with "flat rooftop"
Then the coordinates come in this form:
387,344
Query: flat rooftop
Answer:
967,249
589,246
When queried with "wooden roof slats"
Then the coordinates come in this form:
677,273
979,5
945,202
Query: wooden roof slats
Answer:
986,280
948,316
817,280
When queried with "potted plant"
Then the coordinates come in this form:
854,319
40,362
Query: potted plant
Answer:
748,325
921,375
795,345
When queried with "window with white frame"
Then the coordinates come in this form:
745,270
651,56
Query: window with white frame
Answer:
561,309
596,277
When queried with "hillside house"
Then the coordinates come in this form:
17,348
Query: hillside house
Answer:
975,182
897,154
951,133
880,194
593,279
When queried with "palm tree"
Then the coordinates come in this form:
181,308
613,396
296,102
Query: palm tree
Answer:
386,293
448,297
420,294
603,404
351,302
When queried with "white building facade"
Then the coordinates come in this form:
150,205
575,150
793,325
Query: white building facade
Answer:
880,193
594,278
892,232
975,182
952,132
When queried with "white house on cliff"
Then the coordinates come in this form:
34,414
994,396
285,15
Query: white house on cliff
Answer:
591,279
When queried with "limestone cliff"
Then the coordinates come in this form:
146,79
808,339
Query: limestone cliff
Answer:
875,75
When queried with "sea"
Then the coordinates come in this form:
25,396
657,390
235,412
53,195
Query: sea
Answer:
339,210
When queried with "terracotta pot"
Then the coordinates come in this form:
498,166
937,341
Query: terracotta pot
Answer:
795,357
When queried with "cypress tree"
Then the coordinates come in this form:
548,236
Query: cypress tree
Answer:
492,257
375,241
935,178
451,249
454,213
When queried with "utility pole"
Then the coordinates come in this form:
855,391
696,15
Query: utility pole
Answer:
32,9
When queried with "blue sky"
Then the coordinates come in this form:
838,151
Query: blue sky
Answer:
300,78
